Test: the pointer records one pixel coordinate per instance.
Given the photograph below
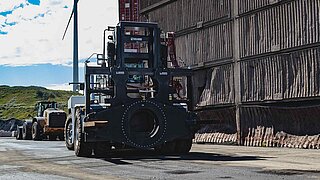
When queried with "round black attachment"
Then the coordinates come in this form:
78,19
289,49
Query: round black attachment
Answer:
144,124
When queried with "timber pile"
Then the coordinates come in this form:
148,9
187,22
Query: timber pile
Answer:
291,141
261,137
265,137
217,138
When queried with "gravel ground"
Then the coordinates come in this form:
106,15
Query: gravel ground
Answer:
51,160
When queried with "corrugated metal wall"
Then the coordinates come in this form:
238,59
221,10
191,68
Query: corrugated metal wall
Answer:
282,76
220,83
285,26
276,59
206,45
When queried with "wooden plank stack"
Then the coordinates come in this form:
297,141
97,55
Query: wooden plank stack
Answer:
262,137
216,138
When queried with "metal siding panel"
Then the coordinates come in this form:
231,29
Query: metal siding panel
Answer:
191,12
283,76
282,32
206,45
219,87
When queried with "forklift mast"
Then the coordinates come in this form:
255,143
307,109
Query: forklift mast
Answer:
134,69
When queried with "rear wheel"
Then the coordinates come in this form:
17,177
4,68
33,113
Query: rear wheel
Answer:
167,148
183,146
61,137
81,148
52,137
68,131
35,131
19,133
101,149
26,134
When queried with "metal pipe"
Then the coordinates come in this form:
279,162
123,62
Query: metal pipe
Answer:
104,43
75,48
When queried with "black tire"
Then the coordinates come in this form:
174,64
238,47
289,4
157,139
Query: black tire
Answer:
52,137
81,148
35,131
183,146
61,137
68,129
26,132
167,148
19,133
101,149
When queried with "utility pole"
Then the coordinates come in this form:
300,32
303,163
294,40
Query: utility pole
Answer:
75,48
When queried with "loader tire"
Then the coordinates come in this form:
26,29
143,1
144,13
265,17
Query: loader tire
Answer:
167,148
61,137
81,148
19,133
35,131
52,137
101,149
68,129
26,132
183,146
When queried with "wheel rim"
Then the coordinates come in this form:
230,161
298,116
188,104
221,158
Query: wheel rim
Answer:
69,133
76,137
24,133
34,130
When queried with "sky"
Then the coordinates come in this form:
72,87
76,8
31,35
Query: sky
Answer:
32,52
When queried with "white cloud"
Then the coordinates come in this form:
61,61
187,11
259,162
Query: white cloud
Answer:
65,87
8,5
38,40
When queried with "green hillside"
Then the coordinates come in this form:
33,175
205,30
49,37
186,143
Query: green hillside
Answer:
18,102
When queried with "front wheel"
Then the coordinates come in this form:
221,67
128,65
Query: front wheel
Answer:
68,132
81,148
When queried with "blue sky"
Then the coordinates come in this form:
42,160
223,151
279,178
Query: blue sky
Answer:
51,75
31,49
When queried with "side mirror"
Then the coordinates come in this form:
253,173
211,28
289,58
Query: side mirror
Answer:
164,55
81,86
100,59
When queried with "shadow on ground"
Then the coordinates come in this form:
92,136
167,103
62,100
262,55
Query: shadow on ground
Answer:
149,155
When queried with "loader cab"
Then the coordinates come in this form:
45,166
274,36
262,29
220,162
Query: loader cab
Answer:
42,106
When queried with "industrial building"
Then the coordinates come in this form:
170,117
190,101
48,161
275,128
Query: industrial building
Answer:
256,64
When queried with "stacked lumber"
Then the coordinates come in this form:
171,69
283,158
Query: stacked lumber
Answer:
283,139
265,137
216,138
261,136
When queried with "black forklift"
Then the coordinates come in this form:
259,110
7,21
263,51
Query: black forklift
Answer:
132,98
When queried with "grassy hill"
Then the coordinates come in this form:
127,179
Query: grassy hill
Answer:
18,102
